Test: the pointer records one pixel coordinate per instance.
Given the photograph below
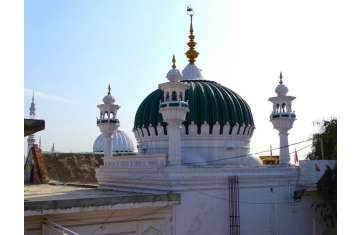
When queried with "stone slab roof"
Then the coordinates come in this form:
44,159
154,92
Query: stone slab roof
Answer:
32,126
52,199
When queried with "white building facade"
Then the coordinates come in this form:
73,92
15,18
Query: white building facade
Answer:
194,173
224,189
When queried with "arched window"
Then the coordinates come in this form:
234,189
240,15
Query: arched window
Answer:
283,107
181,96
167,97
173,96
277,107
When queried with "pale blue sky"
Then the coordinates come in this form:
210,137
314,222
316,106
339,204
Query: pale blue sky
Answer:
74,49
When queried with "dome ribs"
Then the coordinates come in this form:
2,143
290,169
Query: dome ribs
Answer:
146,116
154,109
239,107
213,106
121,143
138,115
230,101
202,104
245,108
224,109
209,102
191,96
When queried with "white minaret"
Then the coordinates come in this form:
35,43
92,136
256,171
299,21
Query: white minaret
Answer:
31,138
173,108
108,123
282,118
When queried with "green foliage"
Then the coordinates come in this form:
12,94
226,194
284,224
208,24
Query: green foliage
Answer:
325,147
329,141
327,190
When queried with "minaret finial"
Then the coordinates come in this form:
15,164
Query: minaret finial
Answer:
281,77
109,90
173,62
191,54
32,106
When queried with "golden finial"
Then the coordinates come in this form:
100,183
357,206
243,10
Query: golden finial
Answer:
173,62
191,54
109,90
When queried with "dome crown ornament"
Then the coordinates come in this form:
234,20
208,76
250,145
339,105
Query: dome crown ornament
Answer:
109,99
173,62
281,89
191,71
191,54
109,90
173,75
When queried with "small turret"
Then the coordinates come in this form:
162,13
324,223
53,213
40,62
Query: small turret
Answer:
173,108
282,118
108,123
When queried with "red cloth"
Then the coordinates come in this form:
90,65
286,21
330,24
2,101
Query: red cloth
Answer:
296,157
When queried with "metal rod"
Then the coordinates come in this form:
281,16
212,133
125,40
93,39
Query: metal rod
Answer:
231,218
236,202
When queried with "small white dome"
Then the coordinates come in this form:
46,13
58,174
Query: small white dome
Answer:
281,90
108,99
121,143
173,75
191,72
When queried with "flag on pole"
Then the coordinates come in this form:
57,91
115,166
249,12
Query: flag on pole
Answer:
296,157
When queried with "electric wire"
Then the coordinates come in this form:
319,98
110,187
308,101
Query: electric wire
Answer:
244,155
101,226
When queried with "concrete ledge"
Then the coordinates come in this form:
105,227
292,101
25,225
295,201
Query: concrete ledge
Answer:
48,199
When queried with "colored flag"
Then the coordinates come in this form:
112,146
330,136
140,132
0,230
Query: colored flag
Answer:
296,157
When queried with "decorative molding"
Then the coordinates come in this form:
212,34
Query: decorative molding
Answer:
137,161
152,130
216,129
192,129
160,130
226,129
235,129
185,178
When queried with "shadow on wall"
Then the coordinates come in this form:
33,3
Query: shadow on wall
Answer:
72,167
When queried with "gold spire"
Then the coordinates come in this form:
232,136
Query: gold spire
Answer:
191,54
109,90
173,62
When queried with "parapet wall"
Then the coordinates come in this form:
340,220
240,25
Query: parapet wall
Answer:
312,170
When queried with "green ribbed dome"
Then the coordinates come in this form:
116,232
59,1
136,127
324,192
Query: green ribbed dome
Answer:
208,101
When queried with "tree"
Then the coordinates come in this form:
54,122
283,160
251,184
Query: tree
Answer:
325,142
325,147
327,190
